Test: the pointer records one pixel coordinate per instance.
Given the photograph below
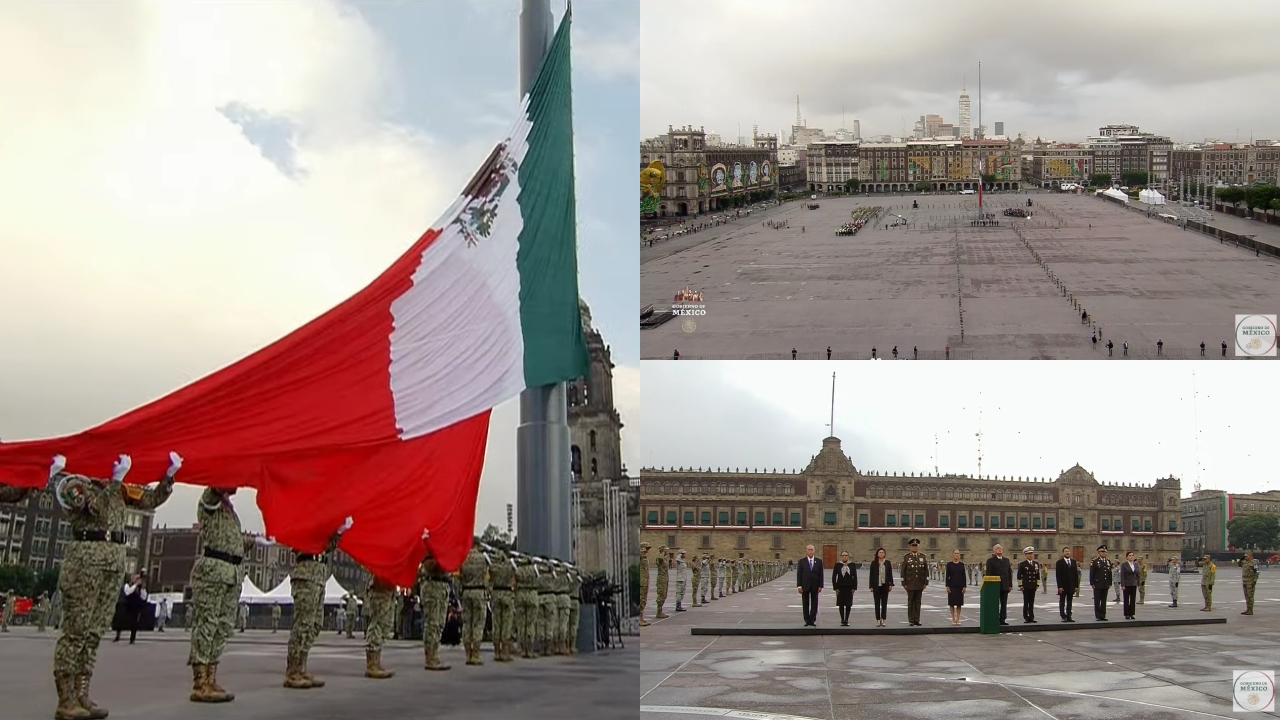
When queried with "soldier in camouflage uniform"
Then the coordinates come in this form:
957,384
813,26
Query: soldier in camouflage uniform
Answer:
730,569
475,586
708,575
526,600
41,611
433,589
1142,581
353,612
1207,575
575,601
502,602
379,615
644,581
682,577
547,605
306,585
1249,575
215,590
714,565
563,581
6,612
663,583
697,580
275,617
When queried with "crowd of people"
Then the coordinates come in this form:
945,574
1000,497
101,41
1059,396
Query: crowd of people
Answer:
712,576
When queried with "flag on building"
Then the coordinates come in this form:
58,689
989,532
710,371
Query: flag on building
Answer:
379,409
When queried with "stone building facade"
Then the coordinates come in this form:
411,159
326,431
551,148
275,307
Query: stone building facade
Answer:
1052,167
702,177
1206,513
835,507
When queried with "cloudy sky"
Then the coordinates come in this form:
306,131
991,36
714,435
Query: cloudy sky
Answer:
1057,70
1125,422
183,183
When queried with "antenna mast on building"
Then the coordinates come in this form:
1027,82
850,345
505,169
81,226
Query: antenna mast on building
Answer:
833,405
935,454
798,123
1195,418
979,435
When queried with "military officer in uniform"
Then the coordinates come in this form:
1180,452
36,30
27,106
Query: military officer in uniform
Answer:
1142,581
475,585
1028,580
547,604
41,611
433,590
1175,572
575,609
1044,577
565,597
708,569
526,603
682,573
502,577
1249,575
379,615
353,612
714,565
1100,581
275,617
914,572
644,581
664,582
697,579
1207,575
306,585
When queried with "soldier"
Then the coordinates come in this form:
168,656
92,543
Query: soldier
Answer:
433,589
306,585
722,574
706,576
575,600
1142,581
1029,572
353,612
682,572
1044,578
275,617
41,611
644,581
663,583
1207,575
526,603
215,588
14,495
379,614
92,566
1115,569
1249,575
502,576
564,583
1175,571
714,565
547,604
242,616
697,580
1100,581
6,615
914,572
475,584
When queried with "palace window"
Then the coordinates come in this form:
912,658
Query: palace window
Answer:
1173,526
1008,521
919,521
944,521
652,517
742,517
904,520
1035,523
890,520
962,542
671,517
962,521
706,517
688,517
863,520
777,518
724,517
1106,524
977,521
1146,525
1079,523
742,542
1135,525
706,541
1022,522
777,542
795,519
829,518
759,517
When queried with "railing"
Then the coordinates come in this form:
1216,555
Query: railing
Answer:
955,354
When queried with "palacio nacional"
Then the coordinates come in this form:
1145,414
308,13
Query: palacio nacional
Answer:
771,514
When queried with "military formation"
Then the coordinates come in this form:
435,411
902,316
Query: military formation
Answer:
533,600
713,578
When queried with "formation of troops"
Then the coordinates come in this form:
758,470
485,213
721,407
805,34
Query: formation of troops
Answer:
713,578
533,600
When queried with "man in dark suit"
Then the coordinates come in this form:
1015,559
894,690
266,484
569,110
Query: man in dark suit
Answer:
1028,579
1068,581
1100,581
999,565
809,584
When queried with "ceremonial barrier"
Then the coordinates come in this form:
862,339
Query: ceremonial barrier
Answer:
989,605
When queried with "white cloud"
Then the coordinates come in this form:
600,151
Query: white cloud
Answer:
609,58
626,398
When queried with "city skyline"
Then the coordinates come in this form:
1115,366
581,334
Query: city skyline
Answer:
1125,423
1046,89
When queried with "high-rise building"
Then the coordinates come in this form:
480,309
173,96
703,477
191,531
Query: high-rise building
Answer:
857,130
965,127
999,128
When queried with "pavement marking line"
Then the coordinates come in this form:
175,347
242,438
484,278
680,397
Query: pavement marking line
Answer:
686,662
720,712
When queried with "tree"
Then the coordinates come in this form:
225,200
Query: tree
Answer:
1274,206
1260,195
1254,532
851,185
1231,195
47,582
988,179
1100,179
924,186
1133,177
497,537
19,578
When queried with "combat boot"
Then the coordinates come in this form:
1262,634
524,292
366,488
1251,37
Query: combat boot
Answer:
661,615
678,608
82,697
433,660
373,665
473,654
302,668
502,651
68,707
211,679
526,649
293,676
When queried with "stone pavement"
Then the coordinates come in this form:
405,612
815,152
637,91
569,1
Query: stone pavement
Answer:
151,681
768,291
1102,672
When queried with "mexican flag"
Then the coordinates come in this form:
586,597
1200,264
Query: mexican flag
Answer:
379,409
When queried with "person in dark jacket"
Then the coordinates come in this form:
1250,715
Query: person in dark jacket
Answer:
880,581
1100,581
955,581
1028,579
1129,575
844,578
999,566
809,584
1068,579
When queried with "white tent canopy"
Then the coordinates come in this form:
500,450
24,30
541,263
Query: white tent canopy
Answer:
1151,197
1117,194
279,594
248,591
333,591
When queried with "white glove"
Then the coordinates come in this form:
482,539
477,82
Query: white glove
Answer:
59,463
346,525
175,462
263,541
425,533
121,468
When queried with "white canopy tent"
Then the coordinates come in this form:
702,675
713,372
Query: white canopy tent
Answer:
333,591
1151,197
279,594
1118,195
248,591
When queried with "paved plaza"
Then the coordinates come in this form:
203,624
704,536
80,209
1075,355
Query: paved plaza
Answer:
151,681
985,292
1089,673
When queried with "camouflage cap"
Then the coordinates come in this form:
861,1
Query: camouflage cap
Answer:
644,546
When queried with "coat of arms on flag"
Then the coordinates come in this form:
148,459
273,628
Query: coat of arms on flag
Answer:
483,193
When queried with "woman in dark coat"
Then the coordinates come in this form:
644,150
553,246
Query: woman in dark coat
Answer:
956,583
844,578
881,582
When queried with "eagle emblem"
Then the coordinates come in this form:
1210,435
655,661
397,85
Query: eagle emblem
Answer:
483,194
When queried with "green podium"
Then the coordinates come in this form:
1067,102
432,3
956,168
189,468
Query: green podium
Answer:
989,605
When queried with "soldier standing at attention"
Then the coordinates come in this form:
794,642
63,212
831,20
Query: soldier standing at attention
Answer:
339,616
914,572
1207,575
526,603
1249,575
1100,581
575,599
353,612
1044,578
475,583
1175,572
1142,581
306,585
6,614
275,617
644,581
547,605
706,576
564,580
682,573
502,576
697,580
1028,579
215,589
379,614
714,566
434,592
92,566
663,582
41,611
242,616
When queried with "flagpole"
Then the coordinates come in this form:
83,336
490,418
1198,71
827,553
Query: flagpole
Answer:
542,438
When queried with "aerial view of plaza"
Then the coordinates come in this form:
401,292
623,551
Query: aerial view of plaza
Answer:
964,181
